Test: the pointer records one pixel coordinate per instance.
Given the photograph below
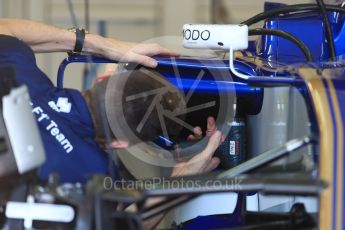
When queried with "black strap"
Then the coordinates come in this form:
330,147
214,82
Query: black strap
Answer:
79,42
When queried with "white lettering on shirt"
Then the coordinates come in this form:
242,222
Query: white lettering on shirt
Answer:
52,128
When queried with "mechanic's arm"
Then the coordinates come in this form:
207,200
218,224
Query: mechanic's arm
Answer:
201,163
46,38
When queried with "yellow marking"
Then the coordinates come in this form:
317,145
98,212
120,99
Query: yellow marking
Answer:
340,152
322,109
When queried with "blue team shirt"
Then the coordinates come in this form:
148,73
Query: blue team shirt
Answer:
63,118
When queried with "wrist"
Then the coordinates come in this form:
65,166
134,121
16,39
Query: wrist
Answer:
93,44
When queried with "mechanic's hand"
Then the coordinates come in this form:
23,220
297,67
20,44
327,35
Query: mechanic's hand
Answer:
114,143
110,70
202,162
211,129
132,52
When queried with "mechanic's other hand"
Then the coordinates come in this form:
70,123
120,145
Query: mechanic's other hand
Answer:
114,144
202,162
132,52
197,135
211,129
